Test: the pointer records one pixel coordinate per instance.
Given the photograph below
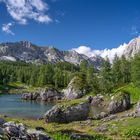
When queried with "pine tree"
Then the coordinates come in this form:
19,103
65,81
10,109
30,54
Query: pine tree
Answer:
116,71
125,70
105,77
135,70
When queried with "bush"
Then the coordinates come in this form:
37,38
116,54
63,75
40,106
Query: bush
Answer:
132,133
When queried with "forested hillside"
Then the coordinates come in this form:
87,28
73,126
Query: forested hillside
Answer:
103,80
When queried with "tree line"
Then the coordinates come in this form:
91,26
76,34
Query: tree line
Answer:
103,80
57,75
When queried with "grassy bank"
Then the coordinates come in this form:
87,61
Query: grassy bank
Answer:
118,128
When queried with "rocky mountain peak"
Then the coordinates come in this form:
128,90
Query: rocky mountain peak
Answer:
25,43
28,52
132,48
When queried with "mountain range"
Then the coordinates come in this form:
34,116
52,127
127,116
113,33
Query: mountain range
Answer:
28,52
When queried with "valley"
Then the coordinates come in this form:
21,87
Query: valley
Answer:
66,101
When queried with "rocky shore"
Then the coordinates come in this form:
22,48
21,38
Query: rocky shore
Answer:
18,131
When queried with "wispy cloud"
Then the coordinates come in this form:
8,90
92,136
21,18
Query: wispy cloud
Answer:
23,10
6,28
134,30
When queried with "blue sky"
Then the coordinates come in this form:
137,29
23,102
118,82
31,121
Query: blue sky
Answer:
68,24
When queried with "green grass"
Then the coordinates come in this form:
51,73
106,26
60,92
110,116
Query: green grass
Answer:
133,91
66,103
18,88
59,136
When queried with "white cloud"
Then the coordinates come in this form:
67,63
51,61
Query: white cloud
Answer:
23,10
110,53
6,28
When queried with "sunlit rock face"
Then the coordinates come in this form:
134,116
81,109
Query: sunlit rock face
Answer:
132,48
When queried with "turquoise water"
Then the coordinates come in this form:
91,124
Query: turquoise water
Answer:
13,106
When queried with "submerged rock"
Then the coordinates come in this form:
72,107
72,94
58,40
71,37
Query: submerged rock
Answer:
63,114
119,103
47,94
75,89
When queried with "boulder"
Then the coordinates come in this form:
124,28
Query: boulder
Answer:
119,103
2,121
50,94
63,114
1,131
47,94
102,128
75,89
101,115
33,134
97,100
30,96
81,136
14,131
109,118
138,109
136,112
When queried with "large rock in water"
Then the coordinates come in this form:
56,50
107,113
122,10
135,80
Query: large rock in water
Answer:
50,94
47,94
119,103
75,89
63,114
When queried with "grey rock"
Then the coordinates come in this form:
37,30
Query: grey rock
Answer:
136,112
30,96
73,91
80,136
50,94
102,128
119,103
138,109
109,118
68,114
39,128
12,131
2,121
37,135
1,131
97,100
19,131
101,115
47,94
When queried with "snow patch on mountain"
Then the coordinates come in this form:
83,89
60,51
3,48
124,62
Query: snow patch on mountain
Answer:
9,58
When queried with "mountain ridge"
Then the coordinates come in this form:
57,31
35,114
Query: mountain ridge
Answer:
28,52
